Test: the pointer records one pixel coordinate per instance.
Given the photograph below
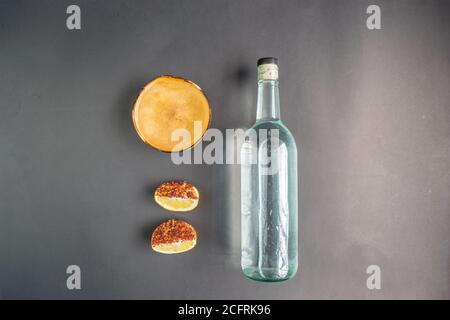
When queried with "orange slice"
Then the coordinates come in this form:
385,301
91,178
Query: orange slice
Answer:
177,196
171,114
174,236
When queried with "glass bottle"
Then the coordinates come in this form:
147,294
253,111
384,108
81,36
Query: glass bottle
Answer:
269,248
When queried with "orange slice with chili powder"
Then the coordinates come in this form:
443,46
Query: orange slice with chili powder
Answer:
173,236
177,196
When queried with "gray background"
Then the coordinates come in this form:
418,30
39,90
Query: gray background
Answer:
370,112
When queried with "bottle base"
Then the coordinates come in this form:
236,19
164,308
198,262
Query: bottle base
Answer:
267,275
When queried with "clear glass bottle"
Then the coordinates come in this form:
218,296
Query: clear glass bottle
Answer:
269,248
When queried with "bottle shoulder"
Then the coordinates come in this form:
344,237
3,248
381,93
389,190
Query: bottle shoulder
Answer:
269,125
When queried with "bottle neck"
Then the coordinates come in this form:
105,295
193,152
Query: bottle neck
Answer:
268,106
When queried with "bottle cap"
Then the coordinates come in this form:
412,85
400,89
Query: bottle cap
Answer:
268,68
267,60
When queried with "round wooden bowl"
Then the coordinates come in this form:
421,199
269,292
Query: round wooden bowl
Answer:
171,114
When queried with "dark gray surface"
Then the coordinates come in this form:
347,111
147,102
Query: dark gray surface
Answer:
370,112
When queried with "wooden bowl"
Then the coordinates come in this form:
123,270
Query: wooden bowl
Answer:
171,114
